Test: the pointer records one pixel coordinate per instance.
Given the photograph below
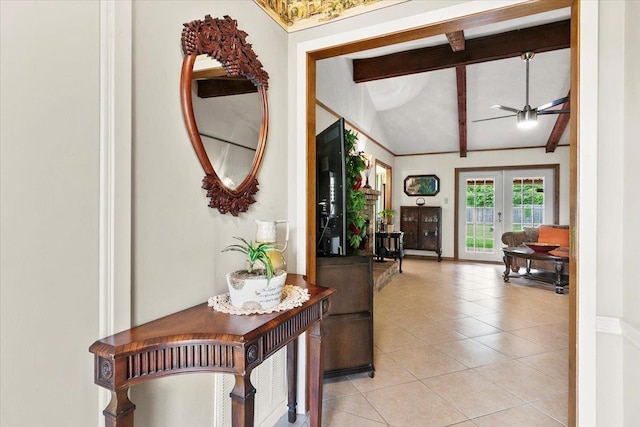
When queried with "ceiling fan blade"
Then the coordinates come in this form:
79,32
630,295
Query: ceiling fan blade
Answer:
502,107
554,112
492,118
553,103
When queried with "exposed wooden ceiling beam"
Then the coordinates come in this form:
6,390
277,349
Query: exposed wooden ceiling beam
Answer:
456,40
208,73
225,86
558,129
461,80
542,38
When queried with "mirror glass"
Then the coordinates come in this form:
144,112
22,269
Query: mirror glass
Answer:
223,93
421,185
229,118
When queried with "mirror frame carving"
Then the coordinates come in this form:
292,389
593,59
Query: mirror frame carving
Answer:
222,40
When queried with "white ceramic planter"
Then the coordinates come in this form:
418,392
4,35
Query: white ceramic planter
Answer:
255,292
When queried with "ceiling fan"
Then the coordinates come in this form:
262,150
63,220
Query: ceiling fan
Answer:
528,117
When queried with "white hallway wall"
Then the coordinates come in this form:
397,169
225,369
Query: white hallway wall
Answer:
618,294
631,209
610,159
49,212
177,239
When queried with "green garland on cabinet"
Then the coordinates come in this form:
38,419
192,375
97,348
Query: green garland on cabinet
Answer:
356,199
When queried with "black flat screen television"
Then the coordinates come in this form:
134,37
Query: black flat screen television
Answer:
331,214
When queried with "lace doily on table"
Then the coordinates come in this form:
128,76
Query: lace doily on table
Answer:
294,296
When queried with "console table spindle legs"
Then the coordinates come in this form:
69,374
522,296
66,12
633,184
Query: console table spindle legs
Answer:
243,401
315,373
119,411
292,375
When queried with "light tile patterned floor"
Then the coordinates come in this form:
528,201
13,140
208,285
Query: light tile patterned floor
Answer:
456,346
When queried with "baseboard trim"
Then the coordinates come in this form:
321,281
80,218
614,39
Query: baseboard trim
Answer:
618,326
426,257
608,325
278,412
631,333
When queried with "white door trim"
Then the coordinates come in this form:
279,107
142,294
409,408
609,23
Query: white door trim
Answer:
114,279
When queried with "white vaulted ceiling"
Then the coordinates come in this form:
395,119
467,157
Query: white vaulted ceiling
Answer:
418,113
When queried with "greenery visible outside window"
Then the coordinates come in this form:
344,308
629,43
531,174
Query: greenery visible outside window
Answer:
528,203
480,210
527,207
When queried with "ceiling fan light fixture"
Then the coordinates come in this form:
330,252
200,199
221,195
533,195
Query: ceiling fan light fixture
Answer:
527,118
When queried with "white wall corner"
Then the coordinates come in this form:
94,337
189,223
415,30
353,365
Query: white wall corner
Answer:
608,325
618,326
631,333
115,171
115,165
618,347
587,216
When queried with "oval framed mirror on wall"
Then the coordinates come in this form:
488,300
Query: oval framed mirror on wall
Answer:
223,92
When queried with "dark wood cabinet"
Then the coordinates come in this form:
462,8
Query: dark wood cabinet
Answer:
422,227
348,339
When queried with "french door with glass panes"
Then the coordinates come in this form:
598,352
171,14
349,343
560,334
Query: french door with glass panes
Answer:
495,201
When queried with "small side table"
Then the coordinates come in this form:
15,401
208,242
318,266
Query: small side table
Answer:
201,340
390,245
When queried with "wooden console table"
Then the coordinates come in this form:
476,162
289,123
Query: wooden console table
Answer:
200,339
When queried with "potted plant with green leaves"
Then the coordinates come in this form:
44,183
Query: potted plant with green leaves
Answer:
386,218
355,199
258,285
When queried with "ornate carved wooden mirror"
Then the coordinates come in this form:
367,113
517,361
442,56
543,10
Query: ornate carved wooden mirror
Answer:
224,105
